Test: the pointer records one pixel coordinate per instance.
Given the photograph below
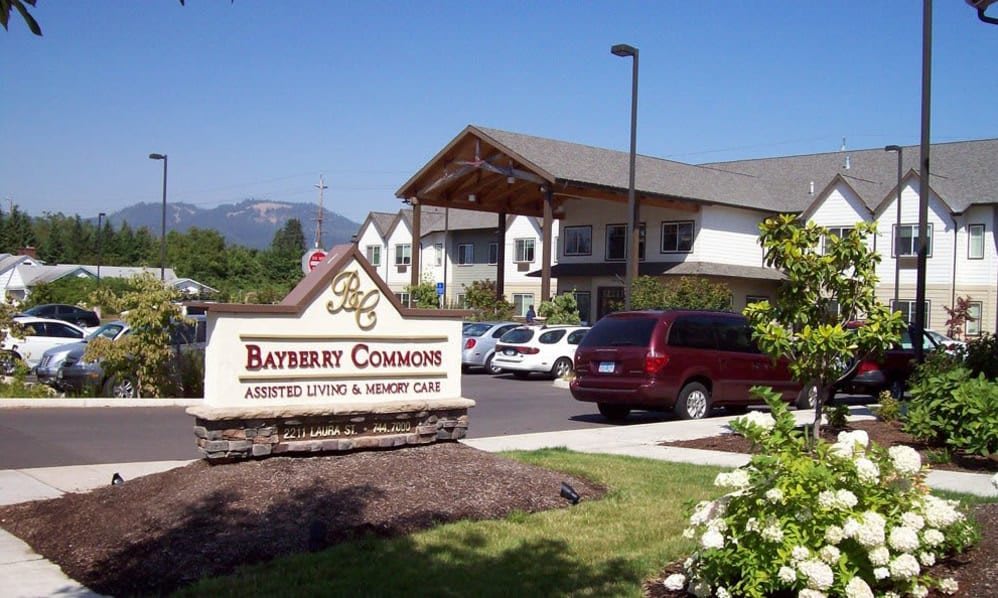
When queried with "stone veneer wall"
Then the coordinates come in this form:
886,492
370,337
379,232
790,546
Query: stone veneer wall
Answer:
234,438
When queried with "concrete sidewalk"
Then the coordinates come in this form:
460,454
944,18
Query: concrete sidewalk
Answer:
25,574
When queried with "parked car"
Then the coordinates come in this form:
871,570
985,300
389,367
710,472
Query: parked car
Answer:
890,371
951,345
39,335
84,318
686,361
478,344
65,369
548,350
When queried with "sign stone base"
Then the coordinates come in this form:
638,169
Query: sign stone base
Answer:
228,434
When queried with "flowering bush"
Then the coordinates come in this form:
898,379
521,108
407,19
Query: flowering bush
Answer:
844,519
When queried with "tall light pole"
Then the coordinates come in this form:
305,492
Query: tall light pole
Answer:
100,235
633,214
162,234
923,181
897,226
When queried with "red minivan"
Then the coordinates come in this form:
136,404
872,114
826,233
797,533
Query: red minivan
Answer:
685,361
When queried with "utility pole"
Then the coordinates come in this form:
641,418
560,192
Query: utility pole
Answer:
318,221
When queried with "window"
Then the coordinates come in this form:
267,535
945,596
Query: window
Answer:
907,309
578,240
493,253
465,254
403,254
976,249
840,232
551,336
524,250
462,300
616,242
973,325
403,298
906,240
584,300
677,237
522,302
373,254
438,254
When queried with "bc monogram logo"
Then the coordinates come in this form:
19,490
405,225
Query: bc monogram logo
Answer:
347,296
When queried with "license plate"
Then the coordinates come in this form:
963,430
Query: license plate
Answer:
606,367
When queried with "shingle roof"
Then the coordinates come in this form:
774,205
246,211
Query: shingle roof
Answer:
963,173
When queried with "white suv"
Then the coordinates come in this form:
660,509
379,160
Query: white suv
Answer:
39,335
548,350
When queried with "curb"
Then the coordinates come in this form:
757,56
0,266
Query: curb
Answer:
95,402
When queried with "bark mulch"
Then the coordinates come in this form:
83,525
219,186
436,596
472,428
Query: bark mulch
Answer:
976,571
159,532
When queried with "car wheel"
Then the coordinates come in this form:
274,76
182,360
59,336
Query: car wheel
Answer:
490,367
897,389
521,375
120,388
808,396
9,361
693,401
613,412
562,367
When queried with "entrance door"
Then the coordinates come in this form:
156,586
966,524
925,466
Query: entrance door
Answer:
609,299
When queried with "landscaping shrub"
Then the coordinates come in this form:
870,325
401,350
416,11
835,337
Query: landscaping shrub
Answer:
561,309
889,409
844,519
837,416
982,356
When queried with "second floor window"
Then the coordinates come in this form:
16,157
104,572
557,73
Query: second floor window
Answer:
465,254
616,242
677,237
836,231
906,240
493,253
976,249
578,240
438,254
403,254
374,255
524,250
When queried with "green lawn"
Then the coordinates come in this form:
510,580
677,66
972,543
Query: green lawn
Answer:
600,548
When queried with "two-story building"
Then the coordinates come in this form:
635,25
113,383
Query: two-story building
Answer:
703,219
456,248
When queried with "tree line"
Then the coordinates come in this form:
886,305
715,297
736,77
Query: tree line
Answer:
239,273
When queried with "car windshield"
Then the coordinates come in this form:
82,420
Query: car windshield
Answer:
476,329
108,331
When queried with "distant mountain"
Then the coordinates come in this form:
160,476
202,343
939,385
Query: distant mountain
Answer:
250,222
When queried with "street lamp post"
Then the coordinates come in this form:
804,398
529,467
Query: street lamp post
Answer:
162,234
100,235
633,209
897,226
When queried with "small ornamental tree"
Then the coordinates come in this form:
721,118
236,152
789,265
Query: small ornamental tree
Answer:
480,297
144,354
959,315
561,309
424,294
803,326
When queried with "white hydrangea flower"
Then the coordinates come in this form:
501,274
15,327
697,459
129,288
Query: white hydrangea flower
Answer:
676,581
879,556
712,539
933,537
723,592
718,524
803,514
829,554
940,513
881,573
689,533
850,528
850,443
892,595
826,500
702,512
858,588
912,520
809,593
774,495
752,525
787,575
757,418
904,567
846,499
738,478
871,530
834,534
819,575
800,553
867,471
772,532
919,591
906,460
903,539
949,586
927,559
700,588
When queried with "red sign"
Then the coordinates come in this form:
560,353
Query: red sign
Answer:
312,259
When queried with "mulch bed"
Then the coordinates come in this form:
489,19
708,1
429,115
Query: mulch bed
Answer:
976,571
157,533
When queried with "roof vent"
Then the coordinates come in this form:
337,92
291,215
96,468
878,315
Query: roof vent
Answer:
811,189
846,165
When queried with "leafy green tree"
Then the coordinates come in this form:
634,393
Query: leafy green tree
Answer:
684,292
424,294
143,355
19,5
802,326
481,298
561,309
282,261
72,289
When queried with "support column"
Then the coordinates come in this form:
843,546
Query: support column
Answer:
415,253
501,259
546,239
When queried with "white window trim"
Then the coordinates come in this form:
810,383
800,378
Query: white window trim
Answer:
367,253
460,254
974,328
401,259
914,251
523,243
970,241
677,224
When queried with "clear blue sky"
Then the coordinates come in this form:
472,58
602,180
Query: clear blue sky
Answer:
256,98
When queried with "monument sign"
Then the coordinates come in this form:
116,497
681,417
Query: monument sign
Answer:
338,365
